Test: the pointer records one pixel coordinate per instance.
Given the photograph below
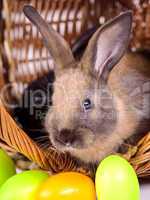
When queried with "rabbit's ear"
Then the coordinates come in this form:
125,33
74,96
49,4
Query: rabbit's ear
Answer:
57,46
108,45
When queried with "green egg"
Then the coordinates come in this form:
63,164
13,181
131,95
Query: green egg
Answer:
22,186
116,180
7,167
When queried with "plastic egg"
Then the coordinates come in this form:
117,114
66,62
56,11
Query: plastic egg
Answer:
7,167
67,186
22,186
116,180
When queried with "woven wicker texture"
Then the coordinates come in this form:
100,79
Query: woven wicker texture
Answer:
139,156
54,161
23,58
26,56
16,139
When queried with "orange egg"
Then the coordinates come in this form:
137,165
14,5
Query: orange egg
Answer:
67,186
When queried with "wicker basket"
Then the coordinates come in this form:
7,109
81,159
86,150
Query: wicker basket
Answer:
23,58
29,59
52,160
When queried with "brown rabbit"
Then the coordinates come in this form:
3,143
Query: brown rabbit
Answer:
101,100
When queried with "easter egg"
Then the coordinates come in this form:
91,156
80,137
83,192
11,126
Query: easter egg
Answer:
116,180
22,186
7,167
67,186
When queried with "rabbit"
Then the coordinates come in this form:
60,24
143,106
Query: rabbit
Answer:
100,100
31,107
78,47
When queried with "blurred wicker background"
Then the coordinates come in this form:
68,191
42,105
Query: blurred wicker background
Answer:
23,58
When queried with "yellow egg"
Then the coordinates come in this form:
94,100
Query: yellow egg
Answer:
67,186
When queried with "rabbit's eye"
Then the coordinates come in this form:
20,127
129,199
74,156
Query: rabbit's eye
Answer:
87,105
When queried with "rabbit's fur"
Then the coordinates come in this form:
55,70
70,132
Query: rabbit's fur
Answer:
95,103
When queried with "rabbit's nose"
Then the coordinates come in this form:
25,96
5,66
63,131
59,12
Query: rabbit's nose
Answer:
66,137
